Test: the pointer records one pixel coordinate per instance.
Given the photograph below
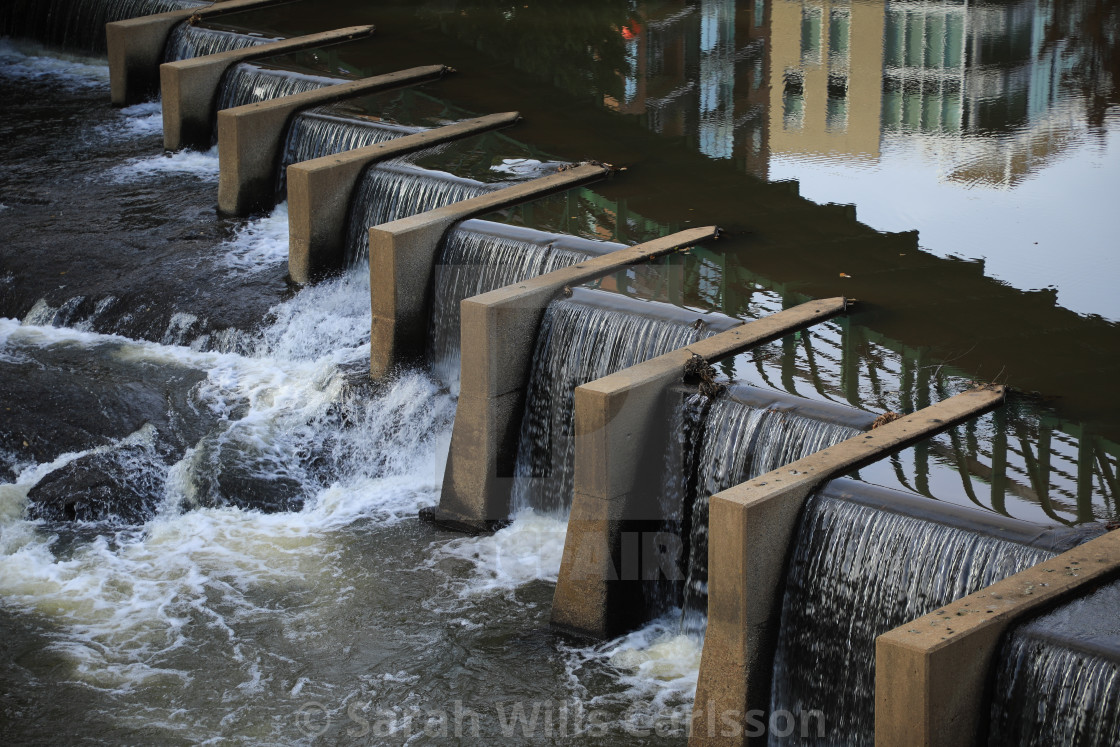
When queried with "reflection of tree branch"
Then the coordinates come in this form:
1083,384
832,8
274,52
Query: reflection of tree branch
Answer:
1091,38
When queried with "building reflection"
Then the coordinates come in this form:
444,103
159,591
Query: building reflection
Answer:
987,90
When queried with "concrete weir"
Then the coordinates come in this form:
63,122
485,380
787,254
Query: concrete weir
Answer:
190,87
932,674
613,416
402,254
751,527
250,136
136,47
319,193
498,333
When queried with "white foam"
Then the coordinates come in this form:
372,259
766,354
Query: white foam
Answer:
139,120
655,670
529,549
125,606
328,321
29,61
259,243
202,165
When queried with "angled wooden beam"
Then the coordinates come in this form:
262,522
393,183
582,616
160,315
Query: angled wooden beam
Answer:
750,529
613,416
250,136
189,88
402,254
931,674
498,333
136,47
319,193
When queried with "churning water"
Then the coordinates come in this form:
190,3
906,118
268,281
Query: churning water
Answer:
269,580
245,563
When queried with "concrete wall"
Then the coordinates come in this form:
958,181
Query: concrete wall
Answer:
250,136
319,193
189,88
751,527
614,417
498,333
136,47
402,254
932,674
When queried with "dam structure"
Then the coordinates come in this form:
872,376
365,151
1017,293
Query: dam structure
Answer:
649,372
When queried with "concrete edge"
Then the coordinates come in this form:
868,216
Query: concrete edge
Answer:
498,333
613,416
250,136
751,527
319,193
403,252
190,87
135,47
932,674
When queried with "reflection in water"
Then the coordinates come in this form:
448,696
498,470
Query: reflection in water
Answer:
1022,460
937,116
843,75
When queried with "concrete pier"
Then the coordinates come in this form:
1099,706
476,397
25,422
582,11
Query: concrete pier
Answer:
751,527
319,193
136,47
613,417
189,88
498,333
402,254
250,136
932,674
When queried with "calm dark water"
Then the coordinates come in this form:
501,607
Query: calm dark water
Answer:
961,133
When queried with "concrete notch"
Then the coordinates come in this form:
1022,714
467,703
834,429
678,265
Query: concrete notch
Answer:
932,674
136,47
250,136
319,193
613,417
751,527
190,87
498,333
402,254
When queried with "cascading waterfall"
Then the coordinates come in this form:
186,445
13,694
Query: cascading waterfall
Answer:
733,443
579,341
320,132
246,83
396,190
477,257
858,571
78,25
1058,677
188,41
